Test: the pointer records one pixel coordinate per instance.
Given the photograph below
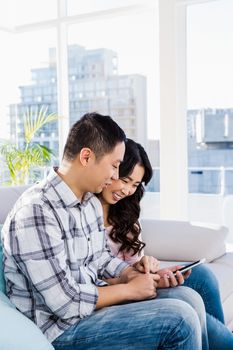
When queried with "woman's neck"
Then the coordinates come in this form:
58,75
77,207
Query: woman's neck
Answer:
106,207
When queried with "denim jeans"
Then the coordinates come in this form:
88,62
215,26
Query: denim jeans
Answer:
194,300
153,324
205,283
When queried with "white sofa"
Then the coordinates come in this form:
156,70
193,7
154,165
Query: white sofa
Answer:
172,242
182,241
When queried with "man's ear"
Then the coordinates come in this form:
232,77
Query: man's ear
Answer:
85,156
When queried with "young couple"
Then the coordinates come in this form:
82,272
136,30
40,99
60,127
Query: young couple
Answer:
61,273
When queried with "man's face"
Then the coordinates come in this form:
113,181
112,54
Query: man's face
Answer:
105,169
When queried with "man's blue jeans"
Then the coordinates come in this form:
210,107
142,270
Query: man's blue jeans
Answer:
153,324
192,298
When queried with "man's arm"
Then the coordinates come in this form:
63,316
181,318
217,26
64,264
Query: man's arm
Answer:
141,287
45,266
41,256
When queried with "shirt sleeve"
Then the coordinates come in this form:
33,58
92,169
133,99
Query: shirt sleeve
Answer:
39,252
111,266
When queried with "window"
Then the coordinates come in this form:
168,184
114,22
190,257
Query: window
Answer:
24,57
112,72
210,102
119,44
79,7
27,11
23,89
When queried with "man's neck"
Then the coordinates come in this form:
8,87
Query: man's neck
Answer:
66,173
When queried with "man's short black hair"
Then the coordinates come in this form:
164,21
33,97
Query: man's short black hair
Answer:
98,132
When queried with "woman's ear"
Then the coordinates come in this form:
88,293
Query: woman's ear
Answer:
85,156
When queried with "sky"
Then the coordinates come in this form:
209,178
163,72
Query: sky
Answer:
134,38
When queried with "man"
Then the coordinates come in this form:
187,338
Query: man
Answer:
59,272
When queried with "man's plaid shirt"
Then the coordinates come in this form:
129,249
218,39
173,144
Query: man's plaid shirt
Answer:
55,255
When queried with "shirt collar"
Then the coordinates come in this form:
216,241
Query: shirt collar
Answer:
64,191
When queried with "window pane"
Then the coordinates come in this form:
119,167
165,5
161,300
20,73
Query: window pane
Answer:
28,82
28,11
114,72
75,7
210,99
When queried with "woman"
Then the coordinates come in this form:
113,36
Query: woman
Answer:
121,208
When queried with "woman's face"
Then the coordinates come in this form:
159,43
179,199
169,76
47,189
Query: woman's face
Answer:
123,187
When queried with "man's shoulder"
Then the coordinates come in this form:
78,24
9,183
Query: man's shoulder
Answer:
32,205
37,195
96,204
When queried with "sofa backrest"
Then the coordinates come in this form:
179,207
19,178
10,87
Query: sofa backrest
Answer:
183,240
8,197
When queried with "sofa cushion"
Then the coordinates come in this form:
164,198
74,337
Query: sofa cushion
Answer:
183,240
17,331
2,279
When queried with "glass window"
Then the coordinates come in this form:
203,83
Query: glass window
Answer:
112,72
28,11
210,101
22,55
79,7
118,42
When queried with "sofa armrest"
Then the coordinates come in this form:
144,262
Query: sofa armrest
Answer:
17,331
8,197
183,240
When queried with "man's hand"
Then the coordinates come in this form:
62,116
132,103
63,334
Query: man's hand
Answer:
147,264
128,274
143,286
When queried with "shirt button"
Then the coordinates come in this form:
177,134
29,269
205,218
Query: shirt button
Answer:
89,239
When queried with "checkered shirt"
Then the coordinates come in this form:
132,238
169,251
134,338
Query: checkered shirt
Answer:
55,254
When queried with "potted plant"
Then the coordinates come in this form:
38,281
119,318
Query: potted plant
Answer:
21,159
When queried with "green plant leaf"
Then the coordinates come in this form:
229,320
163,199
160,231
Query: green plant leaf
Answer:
34,120
20,160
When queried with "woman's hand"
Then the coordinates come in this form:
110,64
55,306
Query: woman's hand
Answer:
168,279
147,264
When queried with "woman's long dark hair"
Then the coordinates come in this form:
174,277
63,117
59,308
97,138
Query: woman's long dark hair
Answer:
124,215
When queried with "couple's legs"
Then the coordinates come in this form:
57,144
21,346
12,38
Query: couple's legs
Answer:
157,323
194,300
154,324
205,283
